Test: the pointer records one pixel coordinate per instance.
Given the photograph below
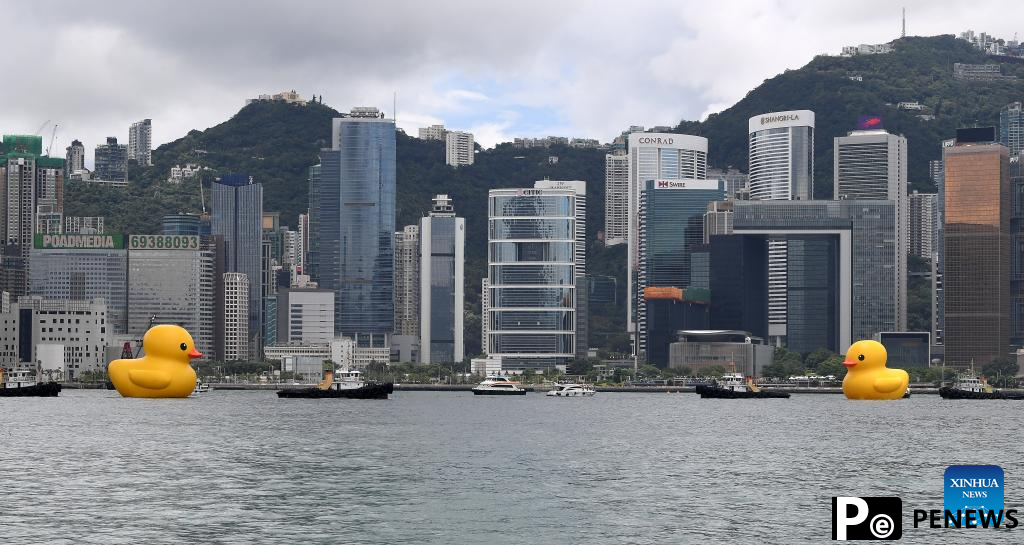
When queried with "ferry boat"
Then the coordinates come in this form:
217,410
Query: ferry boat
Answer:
970,386
735,386
571,390
344,384
498,385
21,383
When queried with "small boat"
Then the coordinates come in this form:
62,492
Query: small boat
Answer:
201,388
21,384
498,385
571,390
735,386
970,386
344,384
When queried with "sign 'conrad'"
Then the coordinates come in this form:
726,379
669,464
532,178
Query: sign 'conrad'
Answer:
668,141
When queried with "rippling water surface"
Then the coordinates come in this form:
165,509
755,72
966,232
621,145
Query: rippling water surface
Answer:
423,467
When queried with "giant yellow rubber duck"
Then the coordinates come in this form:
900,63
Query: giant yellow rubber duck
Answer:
868,378
164,371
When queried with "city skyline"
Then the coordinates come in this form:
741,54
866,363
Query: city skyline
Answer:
495,93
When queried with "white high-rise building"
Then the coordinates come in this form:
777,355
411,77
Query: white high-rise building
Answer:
433,132
236,316
616,199
532,271
924,224
582,307
140,142
872,164
656,156
407,281
458,148
442,280
781,167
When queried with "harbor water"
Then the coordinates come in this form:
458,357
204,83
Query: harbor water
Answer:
448,467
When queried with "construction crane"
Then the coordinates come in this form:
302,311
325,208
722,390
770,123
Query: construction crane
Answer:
52,138
39,131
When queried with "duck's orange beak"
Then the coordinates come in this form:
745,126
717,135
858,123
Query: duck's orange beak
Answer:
195,354
849,363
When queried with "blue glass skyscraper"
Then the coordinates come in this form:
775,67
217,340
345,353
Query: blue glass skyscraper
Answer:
352,209
238,216
671,223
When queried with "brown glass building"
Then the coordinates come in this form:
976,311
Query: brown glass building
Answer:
977,254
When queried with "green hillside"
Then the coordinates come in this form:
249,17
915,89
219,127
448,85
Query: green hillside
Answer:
920,69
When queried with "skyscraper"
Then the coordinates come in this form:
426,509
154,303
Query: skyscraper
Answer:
237,216
74,159
170,281
1016,252
671,223
924,229
616,199
839,264
28,180
81,267
531,300
781,167
111,161
976,276
872,164
458,148
236,316
579,187
352,219
656,156
140,142
442,282
407,281
1011,127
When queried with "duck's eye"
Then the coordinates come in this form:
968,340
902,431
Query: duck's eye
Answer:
185,347
860,357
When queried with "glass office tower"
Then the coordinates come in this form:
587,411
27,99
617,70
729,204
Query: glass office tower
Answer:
352,217
238,216
976,280
671,223
656,156
442,261
531,284
854,241
781,168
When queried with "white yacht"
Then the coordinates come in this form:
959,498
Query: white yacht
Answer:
571,390
499,385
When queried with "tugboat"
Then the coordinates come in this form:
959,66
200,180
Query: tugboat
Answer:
21,384
571,390
970,386
347,384
498,385
734,386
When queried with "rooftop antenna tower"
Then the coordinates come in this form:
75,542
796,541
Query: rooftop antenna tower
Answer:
903,34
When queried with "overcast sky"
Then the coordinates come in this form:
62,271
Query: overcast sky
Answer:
498,69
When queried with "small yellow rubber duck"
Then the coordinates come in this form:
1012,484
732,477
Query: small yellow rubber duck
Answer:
164,371
868,378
